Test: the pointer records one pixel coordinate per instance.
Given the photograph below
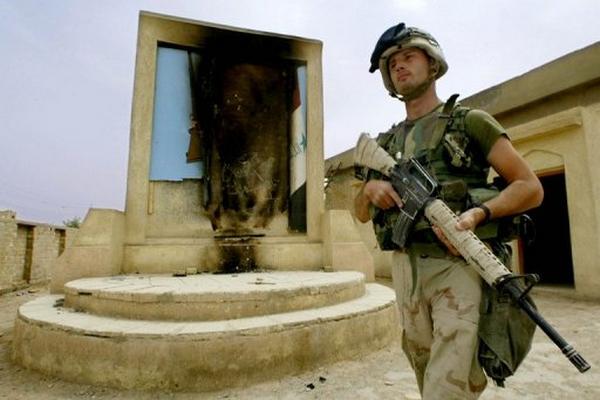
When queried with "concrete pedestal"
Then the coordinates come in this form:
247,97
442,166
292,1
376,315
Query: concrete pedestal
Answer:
272,324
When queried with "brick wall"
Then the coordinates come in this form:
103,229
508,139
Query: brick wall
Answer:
45,251
8,239
29,250
22,259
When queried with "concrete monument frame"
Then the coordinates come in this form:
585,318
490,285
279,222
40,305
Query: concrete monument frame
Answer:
111,242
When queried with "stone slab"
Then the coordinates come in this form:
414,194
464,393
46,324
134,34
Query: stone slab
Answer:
208,297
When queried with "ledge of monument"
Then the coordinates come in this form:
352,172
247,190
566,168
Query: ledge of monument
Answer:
212,297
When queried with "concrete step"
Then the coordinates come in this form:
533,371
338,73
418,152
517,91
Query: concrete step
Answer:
209,297
209,355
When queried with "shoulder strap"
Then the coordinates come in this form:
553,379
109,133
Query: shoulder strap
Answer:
441,124
457,119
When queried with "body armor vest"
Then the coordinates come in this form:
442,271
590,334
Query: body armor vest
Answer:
441,144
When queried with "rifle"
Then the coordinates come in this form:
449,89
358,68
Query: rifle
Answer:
418,190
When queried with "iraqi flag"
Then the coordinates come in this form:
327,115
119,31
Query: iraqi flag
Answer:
297,210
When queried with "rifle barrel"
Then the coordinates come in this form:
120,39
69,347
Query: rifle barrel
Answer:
572,355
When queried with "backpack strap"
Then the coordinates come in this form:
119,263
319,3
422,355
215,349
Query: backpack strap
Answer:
442,123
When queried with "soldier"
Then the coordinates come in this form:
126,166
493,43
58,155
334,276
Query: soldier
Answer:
439,295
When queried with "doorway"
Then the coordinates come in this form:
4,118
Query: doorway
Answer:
549,255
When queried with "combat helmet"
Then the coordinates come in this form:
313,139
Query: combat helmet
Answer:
399,37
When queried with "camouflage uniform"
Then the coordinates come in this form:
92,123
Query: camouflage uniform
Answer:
439,295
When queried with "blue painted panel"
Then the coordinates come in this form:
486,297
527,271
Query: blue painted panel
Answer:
302,86
172,109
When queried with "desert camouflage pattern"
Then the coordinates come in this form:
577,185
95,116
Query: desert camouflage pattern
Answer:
435,286
443,355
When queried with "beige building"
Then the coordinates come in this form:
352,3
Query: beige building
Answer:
28,250
552,114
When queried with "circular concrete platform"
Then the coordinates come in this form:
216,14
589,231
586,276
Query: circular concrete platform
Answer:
209,355
209,297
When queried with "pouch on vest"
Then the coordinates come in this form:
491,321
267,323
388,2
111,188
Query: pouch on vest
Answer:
518,226
454,194
514,226
505,331
383,224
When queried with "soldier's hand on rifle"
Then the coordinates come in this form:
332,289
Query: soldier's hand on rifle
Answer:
382,194
468,220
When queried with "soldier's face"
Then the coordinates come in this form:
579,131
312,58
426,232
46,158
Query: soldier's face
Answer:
408,68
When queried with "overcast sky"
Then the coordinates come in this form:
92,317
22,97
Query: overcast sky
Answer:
67,67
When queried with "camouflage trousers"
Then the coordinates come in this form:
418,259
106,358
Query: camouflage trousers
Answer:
439,302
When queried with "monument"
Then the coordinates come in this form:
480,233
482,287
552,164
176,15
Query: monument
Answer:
225,268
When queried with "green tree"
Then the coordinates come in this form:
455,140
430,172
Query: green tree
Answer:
74,222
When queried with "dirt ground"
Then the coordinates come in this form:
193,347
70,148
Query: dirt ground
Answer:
385,374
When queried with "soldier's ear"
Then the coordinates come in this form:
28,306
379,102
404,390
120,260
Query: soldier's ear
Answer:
434,67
